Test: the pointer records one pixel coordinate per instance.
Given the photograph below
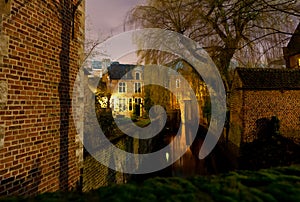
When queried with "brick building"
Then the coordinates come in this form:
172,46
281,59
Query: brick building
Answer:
292,51
260,93
41,43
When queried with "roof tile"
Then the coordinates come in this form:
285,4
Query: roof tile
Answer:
268,78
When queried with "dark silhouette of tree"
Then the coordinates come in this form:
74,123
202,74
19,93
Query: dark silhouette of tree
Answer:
246,28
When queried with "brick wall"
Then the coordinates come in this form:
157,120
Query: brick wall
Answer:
294,61
284,104
236,117
39,60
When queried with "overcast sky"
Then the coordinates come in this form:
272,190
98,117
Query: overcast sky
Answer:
104,18
108,15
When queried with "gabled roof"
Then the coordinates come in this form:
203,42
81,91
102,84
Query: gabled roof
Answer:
268,78
116,71
293,46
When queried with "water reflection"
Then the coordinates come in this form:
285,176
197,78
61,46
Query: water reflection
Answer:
189,164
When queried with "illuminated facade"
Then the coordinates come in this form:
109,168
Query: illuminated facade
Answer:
125,84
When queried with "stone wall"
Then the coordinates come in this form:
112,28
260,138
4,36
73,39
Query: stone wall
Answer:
39,60
96,175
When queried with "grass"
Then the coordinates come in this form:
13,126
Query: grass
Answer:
276,184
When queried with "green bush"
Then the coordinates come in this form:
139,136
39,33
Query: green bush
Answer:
277,184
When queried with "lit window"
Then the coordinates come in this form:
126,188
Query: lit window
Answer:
177,83
138,101
122,105
112,104
137,87
122,87
298,62
130,104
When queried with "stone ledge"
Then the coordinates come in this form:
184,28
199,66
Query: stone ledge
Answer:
2,132
5,7
4,44
3,93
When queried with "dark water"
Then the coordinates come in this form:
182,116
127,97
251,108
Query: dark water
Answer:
219,161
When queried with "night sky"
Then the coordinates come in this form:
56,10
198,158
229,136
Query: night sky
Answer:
108,15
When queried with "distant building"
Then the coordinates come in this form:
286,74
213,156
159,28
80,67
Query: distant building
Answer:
292,51
97,68
259,94
105,63
124,82
194,81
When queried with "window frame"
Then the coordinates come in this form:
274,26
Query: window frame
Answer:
137,77
137,87
177,83
130,104
122,88
122,104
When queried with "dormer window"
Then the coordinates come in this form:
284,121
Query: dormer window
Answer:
137,76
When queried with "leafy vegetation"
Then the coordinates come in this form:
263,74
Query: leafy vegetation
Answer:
276,184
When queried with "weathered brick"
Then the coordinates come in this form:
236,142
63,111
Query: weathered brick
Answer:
8,180
2,133
248,106
33,97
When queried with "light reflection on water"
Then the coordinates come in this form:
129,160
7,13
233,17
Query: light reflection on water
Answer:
190,165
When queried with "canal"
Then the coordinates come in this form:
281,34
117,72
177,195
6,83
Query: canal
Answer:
188,165
95,174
